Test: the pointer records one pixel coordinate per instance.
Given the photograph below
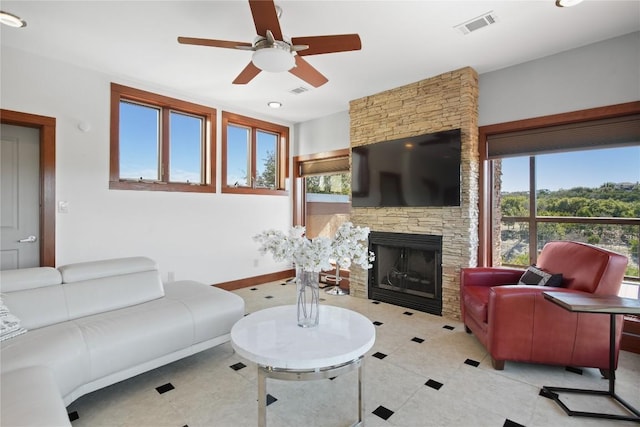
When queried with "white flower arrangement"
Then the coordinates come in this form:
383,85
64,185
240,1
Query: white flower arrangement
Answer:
348,246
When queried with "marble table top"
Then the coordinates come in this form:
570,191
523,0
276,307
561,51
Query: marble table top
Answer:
272,337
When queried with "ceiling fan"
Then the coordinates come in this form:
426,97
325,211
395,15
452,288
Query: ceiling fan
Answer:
271,52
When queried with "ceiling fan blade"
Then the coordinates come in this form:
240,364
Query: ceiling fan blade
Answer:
246,75
265,18
306,72
213,43
328,44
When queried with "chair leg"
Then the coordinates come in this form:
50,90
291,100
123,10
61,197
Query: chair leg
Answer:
498,365
606,373
466,329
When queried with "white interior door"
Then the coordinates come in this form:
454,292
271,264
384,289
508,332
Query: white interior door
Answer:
19,197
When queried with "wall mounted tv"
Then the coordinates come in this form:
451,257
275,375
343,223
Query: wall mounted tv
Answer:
421,171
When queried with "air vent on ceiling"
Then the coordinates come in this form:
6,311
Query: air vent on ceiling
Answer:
474,24
299,90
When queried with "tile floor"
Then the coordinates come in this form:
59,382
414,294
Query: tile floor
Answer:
423,370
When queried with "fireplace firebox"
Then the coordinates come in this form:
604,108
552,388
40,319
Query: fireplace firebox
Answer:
407,270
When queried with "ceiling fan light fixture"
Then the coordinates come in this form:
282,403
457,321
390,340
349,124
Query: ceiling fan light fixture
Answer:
567,3
274,58
12,20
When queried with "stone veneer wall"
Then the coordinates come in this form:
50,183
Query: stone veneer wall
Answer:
443,102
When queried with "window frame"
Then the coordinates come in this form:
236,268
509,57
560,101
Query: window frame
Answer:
166,105
282,156
487,182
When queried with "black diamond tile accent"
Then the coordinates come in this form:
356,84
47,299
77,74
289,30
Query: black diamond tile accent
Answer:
509,423
433,384
253,289
574,370
379,355
270,399
408,313
165,388
383,412
449,327
418,340
238,366
472,362
269,297
375,302
73,415
283,284
378,323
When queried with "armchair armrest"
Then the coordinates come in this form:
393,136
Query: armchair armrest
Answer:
489,276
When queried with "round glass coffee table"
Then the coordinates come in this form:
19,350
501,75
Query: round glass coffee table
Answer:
273,340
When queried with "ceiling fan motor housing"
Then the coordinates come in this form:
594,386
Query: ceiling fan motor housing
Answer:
274,57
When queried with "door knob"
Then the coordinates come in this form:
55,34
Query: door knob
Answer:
29,239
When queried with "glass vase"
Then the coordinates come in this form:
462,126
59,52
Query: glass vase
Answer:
308,297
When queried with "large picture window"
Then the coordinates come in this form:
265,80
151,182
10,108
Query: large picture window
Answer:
160,143
254,155
577,182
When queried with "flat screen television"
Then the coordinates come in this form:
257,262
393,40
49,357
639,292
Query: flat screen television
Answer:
420,171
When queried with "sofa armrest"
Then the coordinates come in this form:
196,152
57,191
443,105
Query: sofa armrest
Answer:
489,276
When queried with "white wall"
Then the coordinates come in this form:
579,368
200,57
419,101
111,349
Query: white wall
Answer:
205,237
324,134
604,73
596,75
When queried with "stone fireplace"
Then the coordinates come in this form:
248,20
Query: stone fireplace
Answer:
443,102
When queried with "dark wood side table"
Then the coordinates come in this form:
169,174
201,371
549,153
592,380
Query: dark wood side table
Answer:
611,305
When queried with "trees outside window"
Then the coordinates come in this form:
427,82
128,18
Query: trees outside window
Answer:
590,196
254,155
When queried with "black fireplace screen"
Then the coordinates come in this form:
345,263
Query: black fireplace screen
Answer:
407,270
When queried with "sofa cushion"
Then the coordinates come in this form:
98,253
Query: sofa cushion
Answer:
476,300
119,339
214,310
537,276
61,347
30,397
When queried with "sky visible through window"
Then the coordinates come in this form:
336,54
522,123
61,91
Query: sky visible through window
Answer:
589,168
139,144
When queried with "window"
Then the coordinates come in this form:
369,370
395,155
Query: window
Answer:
571,185
160,143
254,156
322,190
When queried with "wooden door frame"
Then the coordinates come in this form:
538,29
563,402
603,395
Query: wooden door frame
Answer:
47,128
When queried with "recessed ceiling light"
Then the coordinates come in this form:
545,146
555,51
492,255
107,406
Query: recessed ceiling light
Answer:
567,3
12,20
274,104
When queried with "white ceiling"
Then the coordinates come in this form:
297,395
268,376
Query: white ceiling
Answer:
402,42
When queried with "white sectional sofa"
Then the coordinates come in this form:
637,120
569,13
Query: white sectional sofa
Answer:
93,324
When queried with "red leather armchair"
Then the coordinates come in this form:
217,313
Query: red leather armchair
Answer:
515,322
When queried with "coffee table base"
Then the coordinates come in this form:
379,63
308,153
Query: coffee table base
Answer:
265,372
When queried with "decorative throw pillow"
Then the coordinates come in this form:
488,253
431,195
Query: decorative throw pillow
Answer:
537,276
9,324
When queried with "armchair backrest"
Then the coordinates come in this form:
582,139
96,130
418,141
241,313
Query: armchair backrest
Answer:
584,267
